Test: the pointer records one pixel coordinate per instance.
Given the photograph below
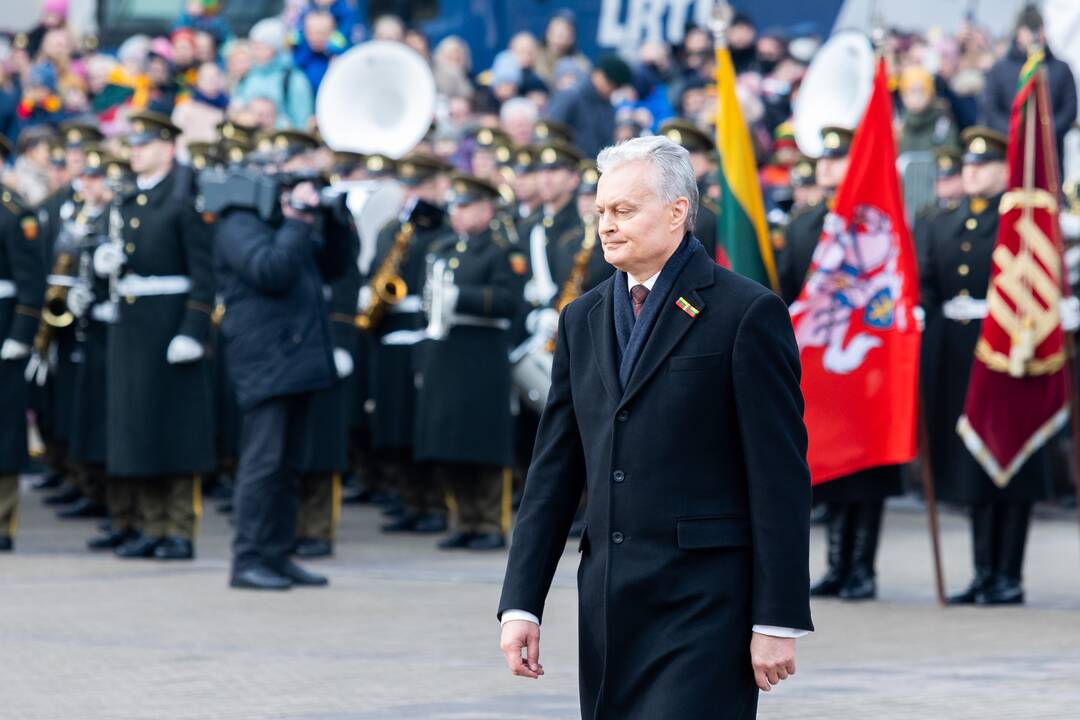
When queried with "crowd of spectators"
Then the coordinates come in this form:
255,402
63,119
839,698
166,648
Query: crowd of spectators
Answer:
200,72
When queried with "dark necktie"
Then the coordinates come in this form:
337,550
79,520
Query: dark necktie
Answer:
638,293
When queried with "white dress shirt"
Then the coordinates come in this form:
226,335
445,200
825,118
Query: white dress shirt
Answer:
772,630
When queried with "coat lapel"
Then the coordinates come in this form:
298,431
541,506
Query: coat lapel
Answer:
602,330
672,323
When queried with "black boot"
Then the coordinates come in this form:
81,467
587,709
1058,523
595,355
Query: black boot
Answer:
1012,530
839,550
66,496
861,583
982,543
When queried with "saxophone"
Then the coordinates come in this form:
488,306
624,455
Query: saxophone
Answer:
387,286
55,313
575,281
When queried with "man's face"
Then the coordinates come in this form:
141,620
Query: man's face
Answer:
264,112
471,218
950,187
262,53
830,171
75,160
151,157
318,27
526,187
915,98
556,184
94,189
984,179
586,204
638,230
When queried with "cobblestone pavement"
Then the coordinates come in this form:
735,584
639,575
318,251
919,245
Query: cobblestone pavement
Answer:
407,632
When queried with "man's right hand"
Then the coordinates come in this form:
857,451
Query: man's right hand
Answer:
305,194
518,634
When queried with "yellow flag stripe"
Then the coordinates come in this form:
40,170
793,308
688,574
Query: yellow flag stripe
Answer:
737,159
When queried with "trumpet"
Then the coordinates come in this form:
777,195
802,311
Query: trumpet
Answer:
439,310
387,286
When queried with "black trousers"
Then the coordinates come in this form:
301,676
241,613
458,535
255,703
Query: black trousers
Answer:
267,497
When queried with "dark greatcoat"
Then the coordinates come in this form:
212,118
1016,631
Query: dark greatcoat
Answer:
698,497
392,368
800,240
20,263
463,405
161,414
956,260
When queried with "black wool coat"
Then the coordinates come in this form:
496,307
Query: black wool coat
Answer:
698,497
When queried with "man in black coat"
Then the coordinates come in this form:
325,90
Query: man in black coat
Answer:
675,401
159,402
22,289
278,340
995,105
587,107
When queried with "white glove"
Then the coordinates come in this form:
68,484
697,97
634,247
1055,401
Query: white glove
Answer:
451,297
183,349
14,350
920,317
364,299
108,258
1069,309
343,362
79,299
543,321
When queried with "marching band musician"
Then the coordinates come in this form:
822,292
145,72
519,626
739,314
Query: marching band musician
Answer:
954,275
93,309
463,423
22,291
160,430
424,178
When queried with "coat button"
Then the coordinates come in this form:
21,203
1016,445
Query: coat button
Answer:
623,415
141,199
134,223
971,223
965,246
129,248
618,476
617,538
963,270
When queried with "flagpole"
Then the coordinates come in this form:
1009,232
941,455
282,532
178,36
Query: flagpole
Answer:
930,497
1050,160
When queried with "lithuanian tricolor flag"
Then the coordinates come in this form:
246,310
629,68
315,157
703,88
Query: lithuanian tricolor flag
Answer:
744,234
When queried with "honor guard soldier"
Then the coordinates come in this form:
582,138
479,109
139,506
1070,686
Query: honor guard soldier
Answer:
805,226
54,384
463,424
324,453
701,148
160,408
101,182
525,183
955,275
546,130
22,289
400,264
491,144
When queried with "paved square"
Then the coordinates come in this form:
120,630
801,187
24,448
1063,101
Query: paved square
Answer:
406,631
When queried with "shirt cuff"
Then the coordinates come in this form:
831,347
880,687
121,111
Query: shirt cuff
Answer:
774,631
509,615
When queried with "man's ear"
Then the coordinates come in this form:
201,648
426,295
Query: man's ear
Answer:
679,210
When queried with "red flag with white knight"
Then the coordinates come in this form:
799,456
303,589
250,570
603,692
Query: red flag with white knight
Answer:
854,320
1017,397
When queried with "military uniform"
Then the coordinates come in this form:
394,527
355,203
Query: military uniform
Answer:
393,381
463,426
21,294
160,413
955,276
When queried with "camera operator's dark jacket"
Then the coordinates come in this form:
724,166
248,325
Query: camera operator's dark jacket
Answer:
276,326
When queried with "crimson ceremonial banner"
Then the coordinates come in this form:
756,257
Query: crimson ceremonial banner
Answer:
854,320
1017,396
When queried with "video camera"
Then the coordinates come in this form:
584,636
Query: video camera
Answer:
255,189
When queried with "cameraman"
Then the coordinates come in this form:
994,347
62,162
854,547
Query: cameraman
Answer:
271,274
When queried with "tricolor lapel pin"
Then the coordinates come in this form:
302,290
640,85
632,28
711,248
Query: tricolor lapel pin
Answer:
686,307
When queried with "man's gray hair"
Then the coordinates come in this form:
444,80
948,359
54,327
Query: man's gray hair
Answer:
673,175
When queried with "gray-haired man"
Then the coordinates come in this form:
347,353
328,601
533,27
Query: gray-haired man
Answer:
675,400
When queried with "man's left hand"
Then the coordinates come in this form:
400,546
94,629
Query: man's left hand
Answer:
183,349
773,659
